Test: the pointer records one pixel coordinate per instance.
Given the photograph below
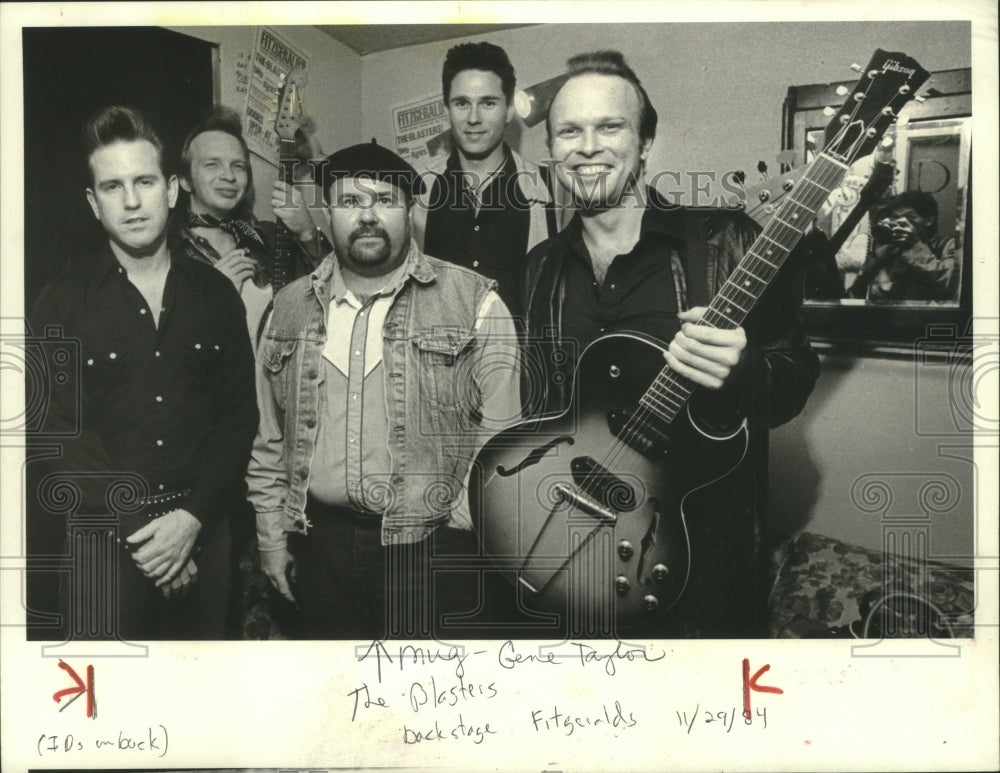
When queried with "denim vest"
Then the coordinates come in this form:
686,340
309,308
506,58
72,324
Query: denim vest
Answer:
428,348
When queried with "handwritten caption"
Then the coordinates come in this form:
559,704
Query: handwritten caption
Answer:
443,699
150,741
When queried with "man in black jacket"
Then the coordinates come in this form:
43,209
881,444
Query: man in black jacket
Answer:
630,261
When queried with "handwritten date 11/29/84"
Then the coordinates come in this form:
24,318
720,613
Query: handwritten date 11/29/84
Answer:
721,719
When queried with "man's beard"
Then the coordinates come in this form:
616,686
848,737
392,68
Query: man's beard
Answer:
368,257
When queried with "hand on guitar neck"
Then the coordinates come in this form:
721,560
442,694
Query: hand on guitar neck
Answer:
710,357
289,207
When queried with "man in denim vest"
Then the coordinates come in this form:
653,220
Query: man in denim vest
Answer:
377,378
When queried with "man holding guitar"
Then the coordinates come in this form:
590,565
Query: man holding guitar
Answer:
630,261
217,225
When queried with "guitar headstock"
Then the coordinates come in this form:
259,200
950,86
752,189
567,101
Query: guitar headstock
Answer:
290,113
890,80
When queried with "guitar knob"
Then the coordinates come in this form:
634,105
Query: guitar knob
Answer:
660,572
622,585
764,195
625,550
650,603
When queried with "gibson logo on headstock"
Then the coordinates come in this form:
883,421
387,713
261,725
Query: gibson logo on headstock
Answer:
893,66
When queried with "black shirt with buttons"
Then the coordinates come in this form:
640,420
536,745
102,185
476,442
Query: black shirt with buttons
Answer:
638,293
173,403
492,241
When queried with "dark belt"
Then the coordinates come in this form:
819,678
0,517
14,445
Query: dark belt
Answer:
152,507
317,509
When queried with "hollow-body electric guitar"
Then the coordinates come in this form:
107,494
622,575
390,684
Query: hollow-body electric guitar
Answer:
586,511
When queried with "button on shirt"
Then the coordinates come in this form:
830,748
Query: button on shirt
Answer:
487,232
172,403
352,465
638,293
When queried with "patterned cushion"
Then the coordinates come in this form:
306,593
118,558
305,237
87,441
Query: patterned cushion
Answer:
823,583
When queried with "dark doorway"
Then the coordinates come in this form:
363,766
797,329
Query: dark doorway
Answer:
69,73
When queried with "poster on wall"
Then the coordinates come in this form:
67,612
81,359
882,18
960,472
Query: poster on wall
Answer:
421,131
271,58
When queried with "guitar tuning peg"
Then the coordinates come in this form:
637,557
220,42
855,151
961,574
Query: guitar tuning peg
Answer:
902,120
887,142
856,67
842,91
828,111
920,99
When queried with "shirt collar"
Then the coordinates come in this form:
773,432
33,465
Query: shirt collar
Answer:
662,218
106,265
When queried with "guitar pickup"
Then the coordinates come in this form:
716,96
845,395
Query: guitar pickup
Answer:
643,436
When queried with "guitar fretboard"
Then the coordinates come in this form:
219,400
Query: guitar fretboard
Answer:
283,240
729,308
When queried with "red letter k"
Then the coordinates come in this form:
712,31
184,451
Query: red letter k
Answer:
79,688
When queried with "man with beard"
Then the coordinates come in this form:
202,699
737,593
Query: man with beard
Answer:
377,376
630,261
166,402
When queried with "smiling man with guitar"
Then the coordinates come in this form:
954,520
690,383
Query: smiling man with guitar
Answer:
630,499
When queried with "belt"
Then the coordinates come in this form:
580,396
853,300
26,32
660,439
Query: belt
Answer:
152,507
315,508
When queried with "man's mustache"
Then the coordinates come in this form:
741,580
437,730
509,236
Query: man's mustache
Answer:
362,233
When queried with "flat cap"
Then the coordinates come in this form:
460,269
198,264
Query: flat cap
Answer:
369,161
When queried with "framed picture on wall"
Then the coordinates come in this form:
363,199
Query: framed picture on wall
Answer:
891,258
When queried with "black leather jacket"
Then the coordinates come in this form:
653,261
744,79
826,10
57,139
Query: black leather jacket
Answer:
725,596
781,367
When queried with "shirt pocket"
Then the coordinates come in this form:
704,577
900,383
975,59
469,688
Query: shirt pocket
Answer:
446,361
200,362
275,357
106,371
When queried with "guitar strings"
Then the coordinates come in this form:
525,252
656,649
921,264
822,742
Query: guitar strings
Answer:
663,386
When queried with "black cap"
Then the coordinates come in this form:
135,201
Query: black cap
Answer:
370,161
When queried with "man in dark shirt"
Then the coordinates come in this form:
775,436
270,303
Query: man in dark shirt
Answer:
165,400
629,261
484,207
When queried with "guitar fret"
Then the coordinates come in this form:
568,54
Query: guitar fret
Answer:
663,388
660,398
730,304
777,219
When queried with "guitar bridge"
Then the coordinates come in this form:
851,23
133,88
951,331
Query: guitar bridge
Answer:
585,503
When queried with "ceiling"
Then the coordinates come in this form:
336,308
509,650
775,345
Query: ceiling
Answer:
369,38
